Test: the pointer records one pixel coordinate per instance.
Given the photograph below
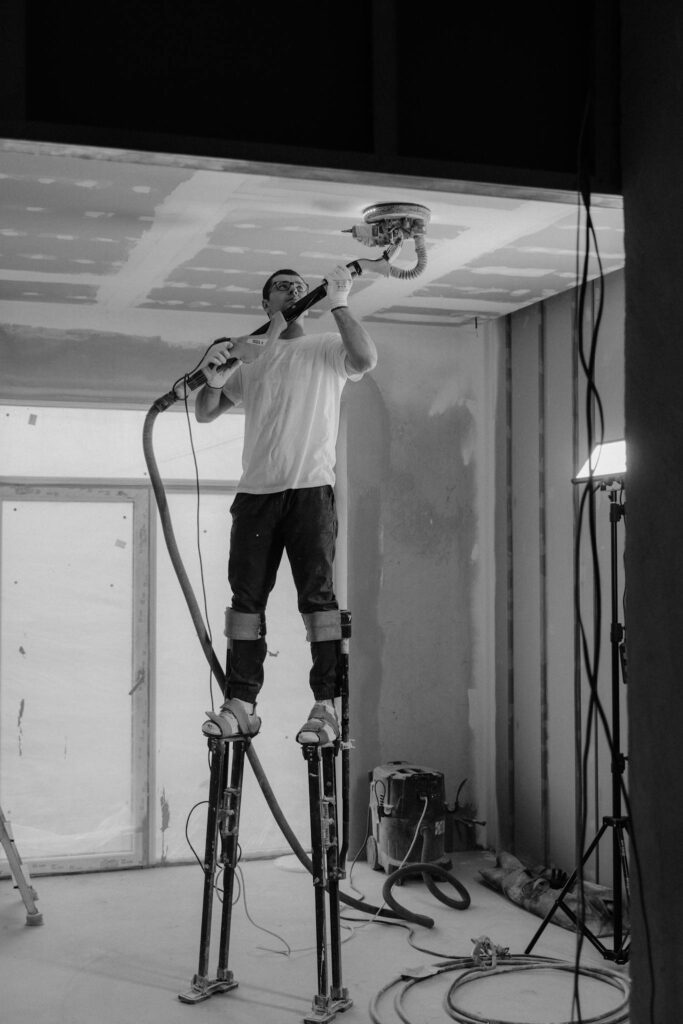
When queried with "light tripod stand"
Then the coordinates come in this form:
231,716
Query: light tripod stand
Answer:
616,822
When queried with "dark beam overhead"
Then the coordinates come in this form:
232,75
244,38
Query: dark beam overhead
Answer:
444,91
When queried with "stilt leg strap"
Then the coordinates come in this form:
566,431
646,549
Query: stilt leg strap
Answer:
220,725
244,625
324,625
321,729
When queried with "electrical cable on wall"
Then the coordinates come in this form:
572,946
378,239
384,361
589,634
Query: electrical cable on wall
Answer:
595,431
595,426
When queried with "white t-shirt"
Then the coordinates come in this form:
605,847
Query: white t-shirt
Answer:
291,397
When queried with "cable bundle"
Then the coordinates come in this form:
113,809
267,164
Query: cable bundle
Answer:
477,968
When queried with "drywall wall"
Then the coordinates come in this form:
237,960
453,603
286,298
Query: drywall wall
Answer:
420,453
542,690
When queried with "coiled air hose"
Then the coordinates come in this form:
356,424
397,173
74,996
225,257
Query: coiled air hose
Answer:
421,253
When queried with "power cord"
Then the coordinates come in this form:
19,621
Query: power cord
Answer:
354,861
241,884
416,832
594,417
243,893
593,404
489,961
187,831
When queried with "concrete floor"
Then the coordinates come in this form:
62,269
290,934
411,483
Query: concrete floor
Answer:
118,947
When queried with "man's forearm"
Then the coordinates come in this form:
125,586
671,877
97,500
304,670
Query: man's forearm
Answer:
210,403
361,354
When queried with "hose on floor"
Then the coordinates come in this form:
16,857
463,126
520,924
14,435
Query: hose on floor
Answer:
429,872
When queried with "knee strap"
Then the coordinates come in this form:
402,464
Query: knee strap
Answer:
244,625
324,625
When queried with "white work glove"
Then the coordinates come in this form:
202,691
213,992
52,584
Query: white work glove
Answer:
339,283
226,355
219,363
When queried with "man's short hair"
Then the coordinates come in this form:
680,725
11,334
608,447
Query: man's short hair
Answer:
267,286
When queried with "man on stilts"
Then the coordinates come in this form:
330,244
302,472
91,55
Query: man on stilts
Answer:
285,499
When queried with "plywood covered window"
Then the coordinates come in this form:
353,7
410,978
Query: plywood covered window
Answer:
72,750
103,683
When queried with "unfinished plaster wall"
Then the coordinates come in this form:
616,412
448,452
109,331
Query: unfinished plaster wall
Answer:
420,556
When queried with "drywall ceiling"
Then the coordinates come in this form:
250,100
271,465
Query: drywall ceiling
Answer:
153,243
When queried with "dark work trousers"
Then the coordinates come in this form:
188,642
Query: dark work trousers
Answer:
302,522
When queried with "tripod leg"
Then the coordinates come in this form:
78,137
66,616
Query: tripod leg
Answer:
201,987
622,832
620,874
559,902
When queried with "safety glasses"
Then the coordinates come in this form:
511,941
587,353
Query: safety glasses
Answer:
297,287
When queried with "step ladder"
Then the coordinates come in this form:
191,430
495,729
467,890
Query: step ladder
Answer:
22,879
